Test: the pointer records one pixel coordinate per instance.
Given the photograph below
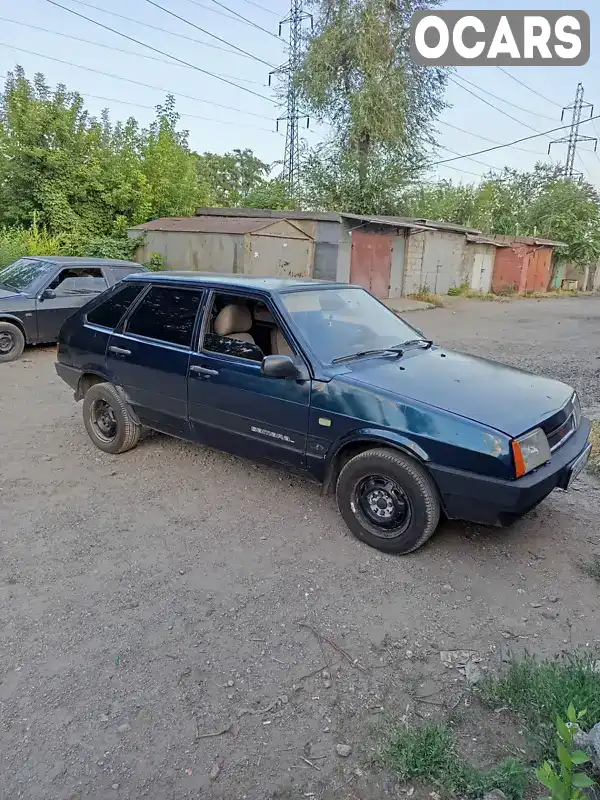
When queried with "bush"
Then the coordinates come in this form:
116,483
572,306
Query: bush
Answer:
35,241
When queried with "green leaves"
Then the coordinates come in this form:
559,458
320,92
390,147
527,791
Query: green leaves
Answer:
566,784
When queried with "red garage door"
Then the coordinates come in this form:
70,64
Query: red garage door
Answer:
371,261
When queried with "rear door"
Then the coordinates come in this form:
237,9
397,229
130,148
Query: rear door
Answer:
72,287
149,356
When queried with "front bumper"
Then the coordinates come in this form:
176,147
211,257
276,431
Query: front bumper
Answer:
492,501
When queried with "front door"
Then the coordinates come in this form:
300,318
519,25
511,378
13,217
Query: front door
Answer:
149,356
231,405
66,292
371,262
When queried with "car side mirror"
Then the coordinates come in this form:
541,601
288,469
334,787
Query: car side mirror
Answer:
47,294
279,367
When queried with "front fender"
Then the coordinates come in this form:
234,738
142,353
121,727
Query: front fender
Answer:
12,318
376,436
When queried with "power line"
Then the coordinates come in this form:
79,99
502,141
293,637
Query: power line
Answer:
533,91
502,100
203,30
486,139
118,49
241,17
191,116
137,83
162,30
475,161
262,8
510,144
162,52
487,102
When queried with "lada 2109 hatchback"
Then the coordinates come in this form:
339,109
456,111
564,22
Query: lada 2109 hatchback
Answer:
323,378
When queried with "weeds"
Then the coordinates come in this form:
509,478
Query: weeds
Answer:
424,295
428,752
562,779
538,693
594,462
591,568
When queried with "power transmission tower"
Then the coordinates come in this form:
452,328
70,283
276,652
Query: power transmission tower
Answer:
291,159
578,108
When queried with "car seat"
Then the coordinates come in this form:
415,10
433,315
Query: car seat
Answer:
234,322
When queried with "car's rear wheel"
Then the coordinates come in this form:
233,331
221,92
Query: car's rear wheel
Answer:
388,500
12,341
108,420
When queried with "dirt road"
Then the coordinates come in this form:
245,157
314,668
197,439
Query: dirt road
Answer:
165,614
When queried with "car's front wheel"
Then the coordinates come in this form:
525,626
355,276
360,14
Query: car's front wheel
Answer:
388,500
12,341
108,420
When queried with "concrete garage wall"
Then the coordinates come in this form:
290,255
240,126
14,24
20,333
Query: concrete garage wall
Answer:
327,251
436,260
200,252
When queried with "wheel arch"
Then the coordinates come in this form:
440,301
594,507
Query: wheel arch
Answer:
90,377
363,440
18,323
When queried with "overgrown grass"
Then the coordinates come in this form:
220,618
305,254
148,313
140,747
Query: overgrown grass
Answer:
426,296
594,462
35,241
538,692
591,568
429,752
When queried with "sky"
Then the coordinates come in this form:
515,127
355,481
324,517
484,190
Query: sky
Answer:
130,79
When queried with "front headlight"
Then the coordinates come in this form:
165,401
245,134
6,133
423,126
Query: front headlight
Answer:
576,411
530,451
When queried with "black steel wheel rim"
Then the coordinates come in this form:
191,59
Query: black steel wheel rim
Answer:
103,420
7,342
383,503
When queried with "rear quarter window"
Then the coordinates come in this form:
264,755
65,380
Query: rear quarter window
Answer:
110,312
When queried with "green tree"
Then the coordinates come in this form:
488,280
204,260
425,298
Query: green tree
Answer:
356,74
233,177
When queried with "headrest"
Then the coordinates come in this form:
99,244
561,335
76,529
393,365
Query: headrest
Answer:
233,319
262,314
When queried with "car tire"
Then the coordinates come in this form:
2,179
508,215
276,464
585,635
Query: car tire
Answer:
12,342
388,500
108,420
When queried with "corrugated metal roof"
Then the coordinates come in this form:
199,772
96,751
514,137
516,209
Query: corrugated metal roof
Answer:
208,224
393,222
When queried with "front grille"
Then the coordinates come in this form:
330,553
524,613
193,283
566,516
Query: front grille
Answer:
568,422
559,435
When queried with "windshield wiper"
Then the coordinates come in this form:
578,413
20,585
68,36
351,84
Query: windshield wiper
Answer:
427,342
362,353
8,286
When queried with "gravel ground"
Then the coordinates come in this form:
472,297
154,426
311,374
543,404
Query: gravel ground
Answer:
177,623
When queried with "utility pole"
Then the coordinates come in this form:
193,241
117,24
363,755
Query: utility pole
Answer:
291,160
578,109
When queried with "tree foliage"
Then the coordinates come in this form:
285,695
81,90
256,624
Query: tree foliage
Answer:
356,74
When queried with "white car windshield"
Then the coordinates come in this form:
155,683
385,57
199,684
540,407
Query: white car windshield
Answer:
338,323
23,273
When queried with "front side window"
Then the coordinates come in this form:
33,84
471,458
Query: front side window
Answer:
242,327
109,313
167,314
78,280
23,274
340,322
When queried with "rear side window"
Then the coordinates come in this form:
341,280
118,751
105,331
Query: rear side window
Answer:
166,314
111,311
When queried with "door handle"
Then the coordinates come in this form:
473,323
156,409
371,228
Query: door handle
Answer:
203,370
120,351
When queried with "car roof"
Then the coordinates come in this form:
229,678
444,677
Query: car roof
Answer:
236,281
87,262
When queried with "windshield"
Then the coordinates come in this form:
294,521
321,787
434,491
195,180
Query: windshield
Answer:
341,322
23,273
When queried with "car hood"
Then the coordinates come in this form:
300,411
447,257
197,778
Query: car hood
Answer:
6,294
510,400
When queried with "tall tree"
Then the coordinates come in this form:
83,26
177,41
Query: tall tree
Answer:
356,75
